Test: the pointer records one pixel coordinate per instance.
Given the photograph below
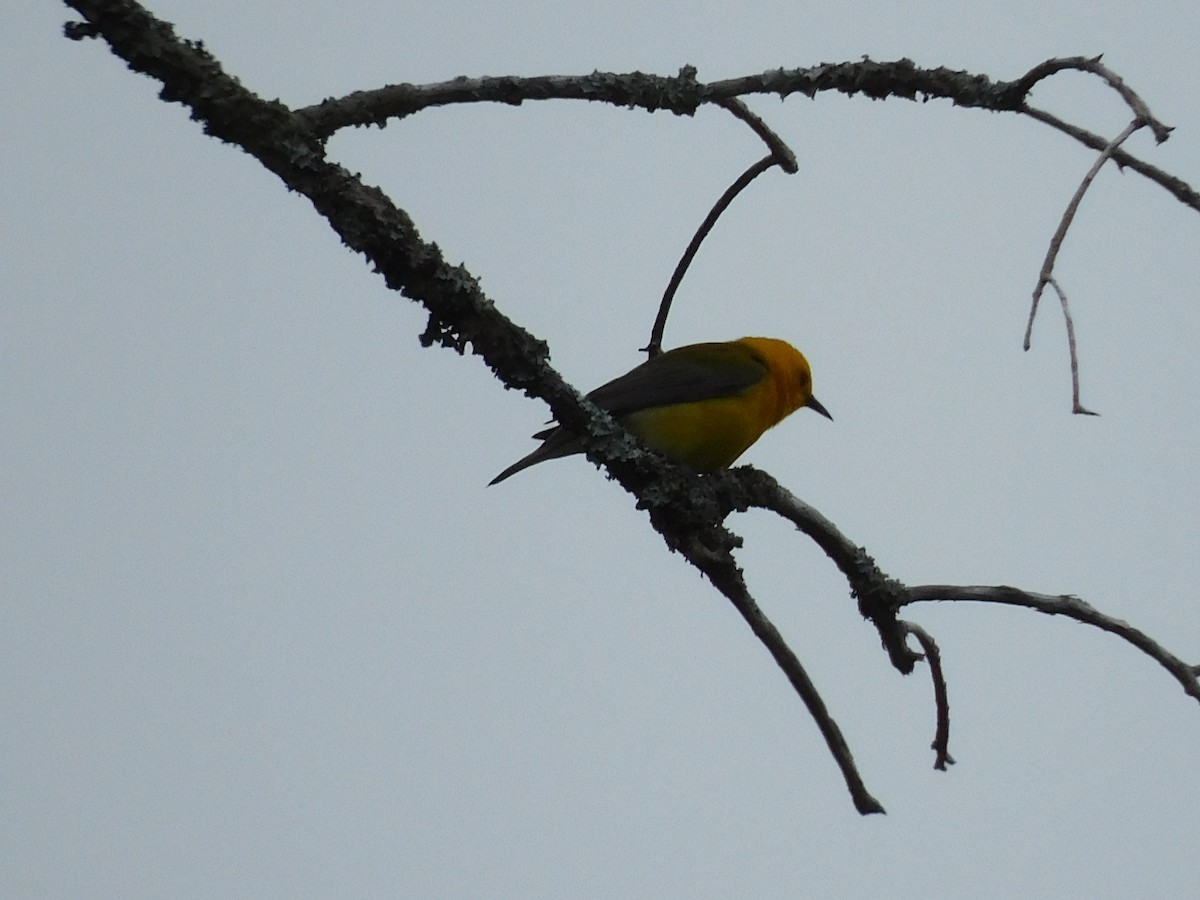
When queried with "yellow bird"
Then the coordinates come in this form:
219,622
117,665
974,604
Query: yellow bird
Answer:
702,405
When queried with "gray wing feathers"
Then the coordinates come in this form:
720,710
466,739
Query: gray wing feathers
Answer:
668,378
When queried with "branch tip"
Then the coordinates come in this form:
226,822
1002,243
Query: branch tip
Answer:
932,655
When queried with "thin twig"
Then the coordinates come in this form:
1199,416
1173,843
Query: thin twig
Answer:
1141,112
941,737
1076,407
733,586
779,149
1063,605
664,308
1046,275
1182,191
781,155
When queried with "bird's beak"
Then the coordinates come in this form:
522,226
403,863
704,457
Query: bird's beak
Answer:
815,404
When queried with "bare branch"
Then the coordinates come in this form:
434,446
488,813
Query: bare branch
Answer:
681,94
941,738
781,155
780,151
664,308
1068,217
1182,191
733,586
1064,605
1046,275
1141,112
1072,351
878,595
881,597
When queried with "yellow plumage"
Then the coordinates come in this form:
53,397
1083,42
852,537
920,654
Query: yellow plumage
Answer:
702,405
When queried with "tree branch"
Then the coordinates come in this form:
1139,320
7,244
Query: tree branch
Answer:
781,155
879,596
689,511
728,580
681,506
1141,112
664,308
1179,188
941,738
1063,605
1046,276
683,95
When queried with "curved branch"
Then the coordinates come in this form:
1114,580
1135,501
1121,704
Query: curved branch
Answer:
683,95
780,151
781,155
1182,191
1063,605
1141,112
883,597
1077,407
1046,276
664,308
729,582
941,738
879,596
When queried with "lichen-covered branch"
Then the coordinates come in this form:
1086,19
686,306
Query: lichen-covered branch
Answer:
689,511
681,505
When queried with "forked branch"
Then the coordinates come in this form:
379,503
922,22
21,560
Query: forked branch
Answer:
689,511
1046,276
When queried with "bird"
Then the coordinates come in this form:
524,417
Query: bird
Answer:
702,405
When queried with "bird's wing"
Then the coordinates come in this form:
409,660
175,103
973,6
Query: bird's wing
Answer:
688,374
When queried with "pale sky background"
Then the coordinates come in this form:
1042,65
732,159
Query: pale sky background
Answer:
265,633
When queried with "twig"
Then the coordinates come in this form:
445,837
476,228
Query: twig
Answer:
1076,407
1063,605
781,155
1182,191
1141,112
1046,276
732,585
664,308
779,149
941,737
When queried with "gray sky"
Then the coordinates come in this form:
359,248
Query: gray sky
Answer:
264,632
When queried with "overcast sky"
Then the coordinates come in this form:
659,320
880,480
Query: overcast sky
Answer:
264,632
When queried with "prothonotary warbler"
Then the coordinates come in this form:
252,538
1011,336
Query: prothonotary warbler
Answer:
702,405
